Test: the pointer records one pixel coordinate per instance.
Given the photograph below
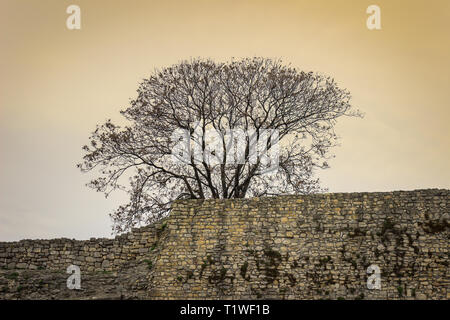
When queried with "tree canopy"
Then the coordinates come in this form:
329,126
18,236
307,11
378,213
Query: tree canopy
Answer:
203,129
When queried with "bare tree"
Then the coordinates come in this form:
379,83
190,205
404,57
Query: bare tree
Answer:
191,98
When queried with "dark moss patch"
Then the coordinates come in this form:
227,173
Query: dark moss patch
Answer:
435,226
210,260
12,276
149,264
161,229
357,232
292,279
271,274
244,268
275,255
388,225
218,277
400,291
324,261
360,297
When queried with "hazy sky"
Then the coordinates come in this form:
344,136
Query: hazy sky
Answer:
57,84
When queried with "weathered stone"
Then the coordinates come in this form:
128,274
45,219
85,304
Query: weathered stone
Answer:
290,247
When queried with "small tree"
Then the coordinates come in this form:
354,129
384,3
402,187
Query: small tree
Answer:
272,126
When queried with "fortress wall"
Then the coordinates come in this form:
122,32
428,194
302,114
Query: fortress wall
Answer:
288,247
307,247
91,255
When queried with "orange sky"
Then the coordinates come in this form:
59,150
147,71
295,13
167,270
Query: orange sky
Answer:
57,84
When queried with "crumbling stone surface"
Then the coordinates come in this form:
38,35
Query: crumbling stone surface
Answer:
287,247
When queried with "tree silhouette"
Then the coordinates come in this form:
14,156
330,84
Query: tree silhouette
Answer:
201,129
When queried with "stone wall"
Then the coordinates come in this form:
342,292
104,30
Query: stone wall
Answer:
91,255
307,247
287,247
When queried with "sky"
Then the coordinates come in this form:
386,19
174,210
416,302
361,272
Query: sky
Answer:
56,84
